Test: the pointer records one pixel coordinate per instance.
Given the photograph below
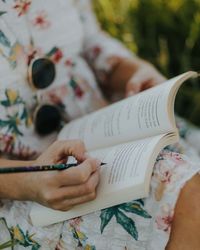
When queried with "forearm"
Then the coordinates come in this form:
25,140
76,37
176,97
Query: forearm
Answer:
13,186
99,48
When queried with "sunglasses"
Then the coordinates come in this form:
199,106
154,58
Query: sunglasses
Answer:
47,118
41,73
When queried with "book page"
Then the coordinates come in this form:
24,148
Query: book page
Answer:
122,179
140,116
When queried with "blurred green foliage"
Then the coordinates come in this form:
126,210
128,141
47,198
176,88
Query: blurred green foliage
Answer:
164,32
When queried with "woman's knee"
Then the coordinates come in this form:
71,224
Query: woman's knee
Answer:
185,233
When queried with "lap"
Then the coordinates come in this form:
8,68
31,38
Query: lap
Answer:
141,224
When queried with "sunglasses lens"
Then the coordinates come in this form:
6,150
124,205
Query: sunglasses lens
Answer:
43,73
47,120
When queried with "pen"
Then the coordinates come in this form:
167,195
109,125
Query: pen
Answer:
62,166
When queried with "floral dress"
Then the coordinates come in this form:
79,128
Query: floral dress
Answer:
66,31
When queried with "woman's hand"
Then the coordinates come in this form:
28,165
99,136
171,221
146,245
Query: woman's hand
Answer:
145,76
59,189
130,76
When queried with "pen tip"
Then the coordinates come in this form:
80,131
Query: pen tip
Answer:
103,163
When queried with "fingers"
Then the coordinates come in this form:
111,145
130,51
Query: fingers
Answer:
132,88
65,205
82,189
67,197
74,148
78,175
145,77
136,82
60,150
63,149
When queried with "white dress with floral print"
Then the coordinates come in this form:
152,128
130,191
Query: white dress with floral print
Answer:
66,31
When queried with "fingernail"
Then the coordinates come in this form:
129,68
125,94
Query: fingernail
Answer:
98,162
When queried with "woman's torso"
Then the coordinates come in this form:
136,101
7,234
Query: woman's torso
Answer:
31,29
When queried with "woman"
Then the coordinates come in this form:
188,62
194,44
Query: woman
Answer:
63,39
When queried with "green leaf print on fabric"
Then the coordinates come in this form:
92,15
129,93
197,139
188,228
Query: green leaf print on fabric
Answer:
25,116
15,50
17,236
135,207
2,13
127,223
23,239
6,236
55,54
13,121
106,216
12,124
79,236
52,52
7,245
82,238
4,40
76,88
12,98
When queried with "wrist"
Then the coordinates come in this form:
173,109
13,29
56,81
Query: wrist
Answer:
12,186
13,163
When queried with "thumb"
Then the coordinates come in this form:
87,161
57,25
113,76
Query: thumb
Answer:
134,84
60,150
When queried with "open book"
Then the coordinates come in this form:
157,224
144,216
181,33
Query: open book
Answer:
128,136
